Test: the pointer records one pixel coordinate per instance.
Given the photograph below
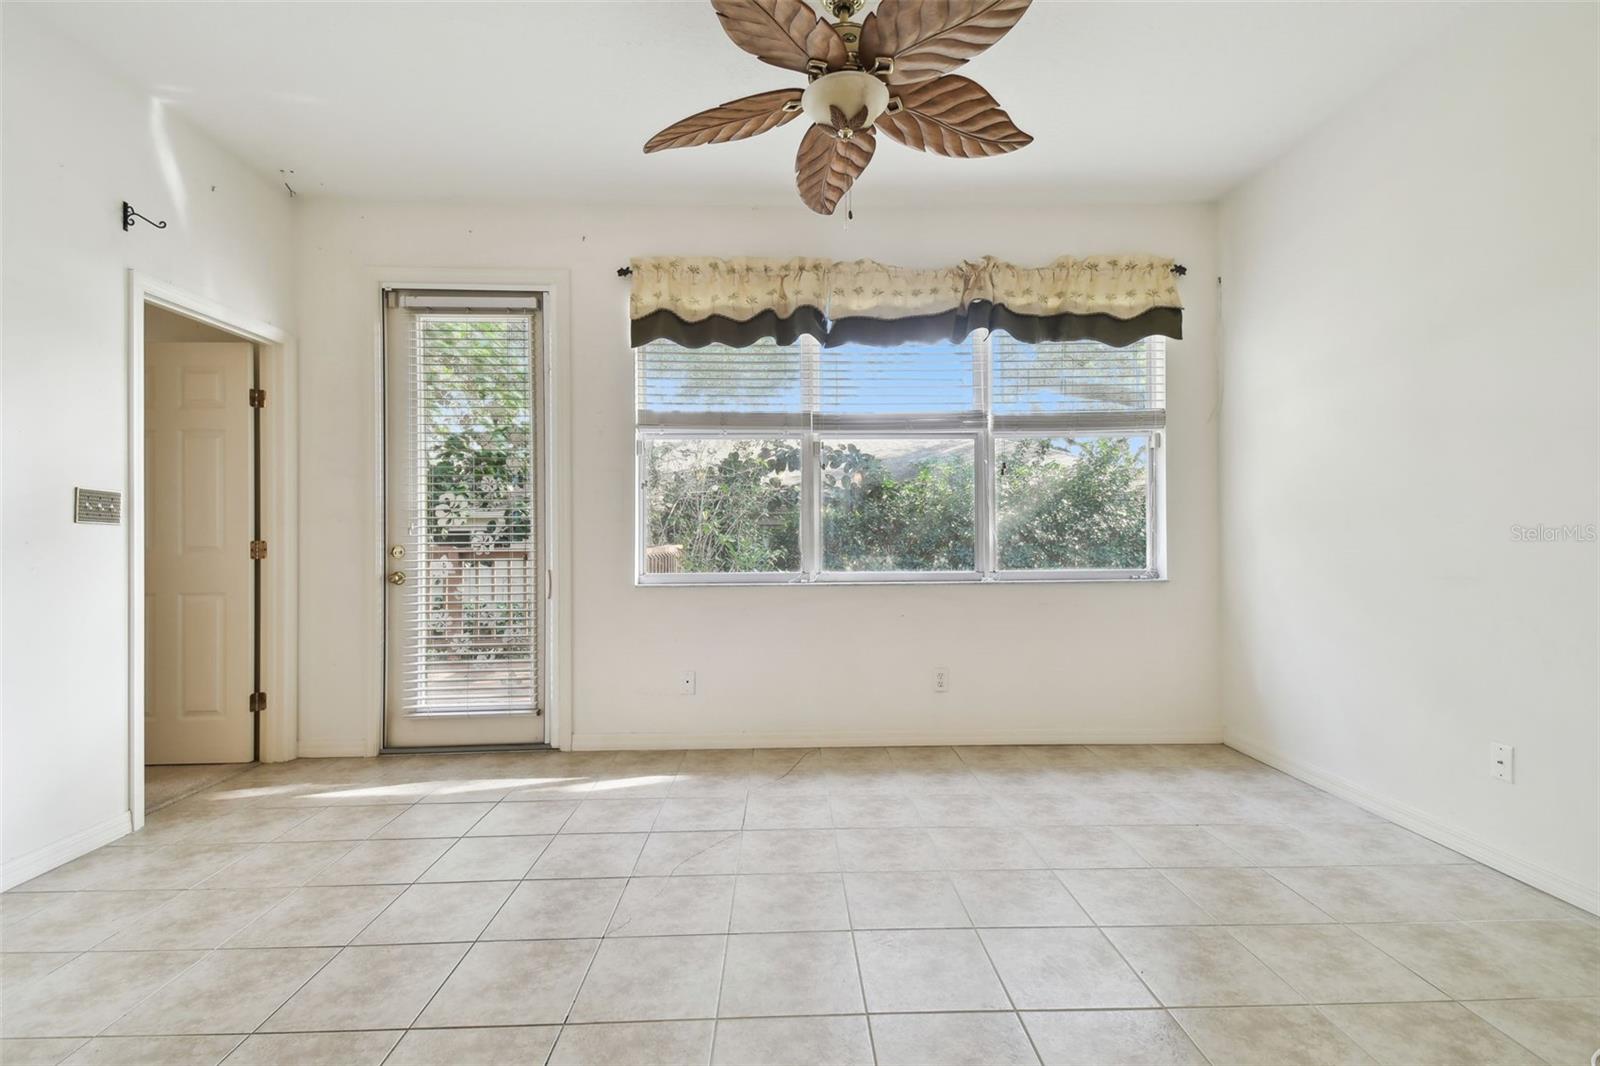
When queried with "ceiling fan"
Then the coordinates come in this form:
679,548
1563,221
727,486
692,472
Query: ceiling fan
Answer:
887,73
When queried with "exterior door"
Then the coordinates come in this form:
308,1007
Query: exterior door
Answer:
464,591
199,578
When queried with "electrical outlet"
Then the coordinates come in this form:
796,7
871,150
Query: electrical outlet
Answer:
941,679
686,683
1502,762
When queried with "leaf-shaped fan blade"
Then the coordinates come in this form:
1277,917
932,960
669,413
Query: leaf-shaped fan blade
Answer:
927,38
826,166
953,116
785,33
732,121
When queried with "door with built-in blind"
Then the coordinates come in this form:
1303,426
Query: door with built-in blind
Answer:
465,578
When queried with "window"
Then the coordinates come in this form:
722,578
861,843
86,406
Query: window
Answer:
988,459
898,504
722,505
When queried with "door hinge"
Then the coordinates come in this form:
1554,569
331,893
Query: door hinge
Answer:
258,397
258,702
258,549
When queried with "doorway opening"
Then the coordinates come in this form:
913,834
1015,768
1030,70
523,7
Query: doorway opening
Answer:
467,582
210,514
203,554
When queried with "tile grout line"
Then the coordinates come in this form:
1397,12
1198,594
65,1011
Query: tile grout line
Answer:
1164,1006
722,978
462,958
749,793
577,990
338,951
1222,926
861,985
1005,989
1491,1024
930,1012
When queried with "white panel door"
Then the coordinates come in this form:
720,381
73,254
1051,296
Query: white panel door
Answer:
199,596
464,590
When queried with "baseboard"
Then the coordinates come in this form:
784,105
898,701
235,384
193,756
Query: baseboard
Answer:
1469,844
680,741
334,749
43,860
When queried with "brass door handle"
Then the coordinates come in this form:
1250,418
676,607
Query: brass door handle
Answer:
397,577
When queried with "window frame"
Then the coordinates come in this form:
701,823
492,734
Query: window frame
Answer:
986,569
823,576
643,435
1154,468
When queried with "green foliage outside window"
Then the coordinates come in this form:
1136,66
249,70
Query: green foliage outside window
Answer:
874,518
733,506
1071,504
475,405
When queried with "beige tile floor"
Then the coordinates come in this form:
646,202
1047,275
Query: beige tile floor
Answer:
164,784
1154,904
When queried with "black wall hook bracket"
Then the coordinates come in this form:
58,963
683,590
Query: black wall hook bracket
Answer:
129,214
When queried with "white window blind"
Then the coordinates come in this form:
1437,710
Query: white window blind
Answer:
804,384
1050,385
909,385
471,629
988,458
714,386
1078,384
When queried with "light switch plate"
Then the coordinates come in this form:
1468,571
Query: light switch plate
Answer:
1502,762
100,507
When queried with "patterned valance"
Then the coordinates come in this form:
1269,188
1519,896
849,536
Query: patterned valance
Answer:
699,301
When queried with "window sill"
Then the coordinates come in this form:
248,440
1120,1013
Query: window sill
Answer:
1010,580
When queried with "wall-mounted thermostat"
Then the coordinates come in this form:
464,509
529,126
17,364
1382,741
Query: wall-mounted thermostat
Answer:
97,506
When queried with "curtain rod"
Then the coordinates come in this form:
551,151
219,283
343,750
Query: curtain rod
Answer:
1177,268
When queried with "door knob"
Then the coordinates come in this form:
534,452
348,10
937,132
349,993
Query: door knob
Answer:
397,577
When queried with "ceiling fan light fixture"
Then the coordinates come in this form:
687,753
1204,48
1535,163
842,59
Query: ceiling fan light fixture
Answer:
848,93
888,74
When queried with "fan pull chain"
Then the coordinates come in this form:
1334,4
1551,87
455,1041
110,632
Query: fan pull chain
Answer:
850,206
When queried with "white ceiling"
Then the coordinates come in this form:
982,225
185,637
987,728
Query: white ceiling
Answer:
553,100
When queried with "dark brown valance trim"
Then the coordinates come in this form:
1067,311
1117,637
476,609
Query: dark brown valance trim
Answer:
1031,329
886,332
736,333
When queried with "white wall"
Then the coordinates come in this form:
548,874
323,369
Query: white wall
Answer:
785,665
78,143
1409,370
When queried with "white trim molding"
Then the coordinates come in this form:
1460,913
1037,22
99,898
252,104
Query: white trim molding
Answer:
909,738
1469,844
280,495
556,286
337,748
43,860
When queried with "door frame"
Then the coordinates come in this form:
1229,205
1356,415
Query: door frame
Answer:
279,520
554,285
